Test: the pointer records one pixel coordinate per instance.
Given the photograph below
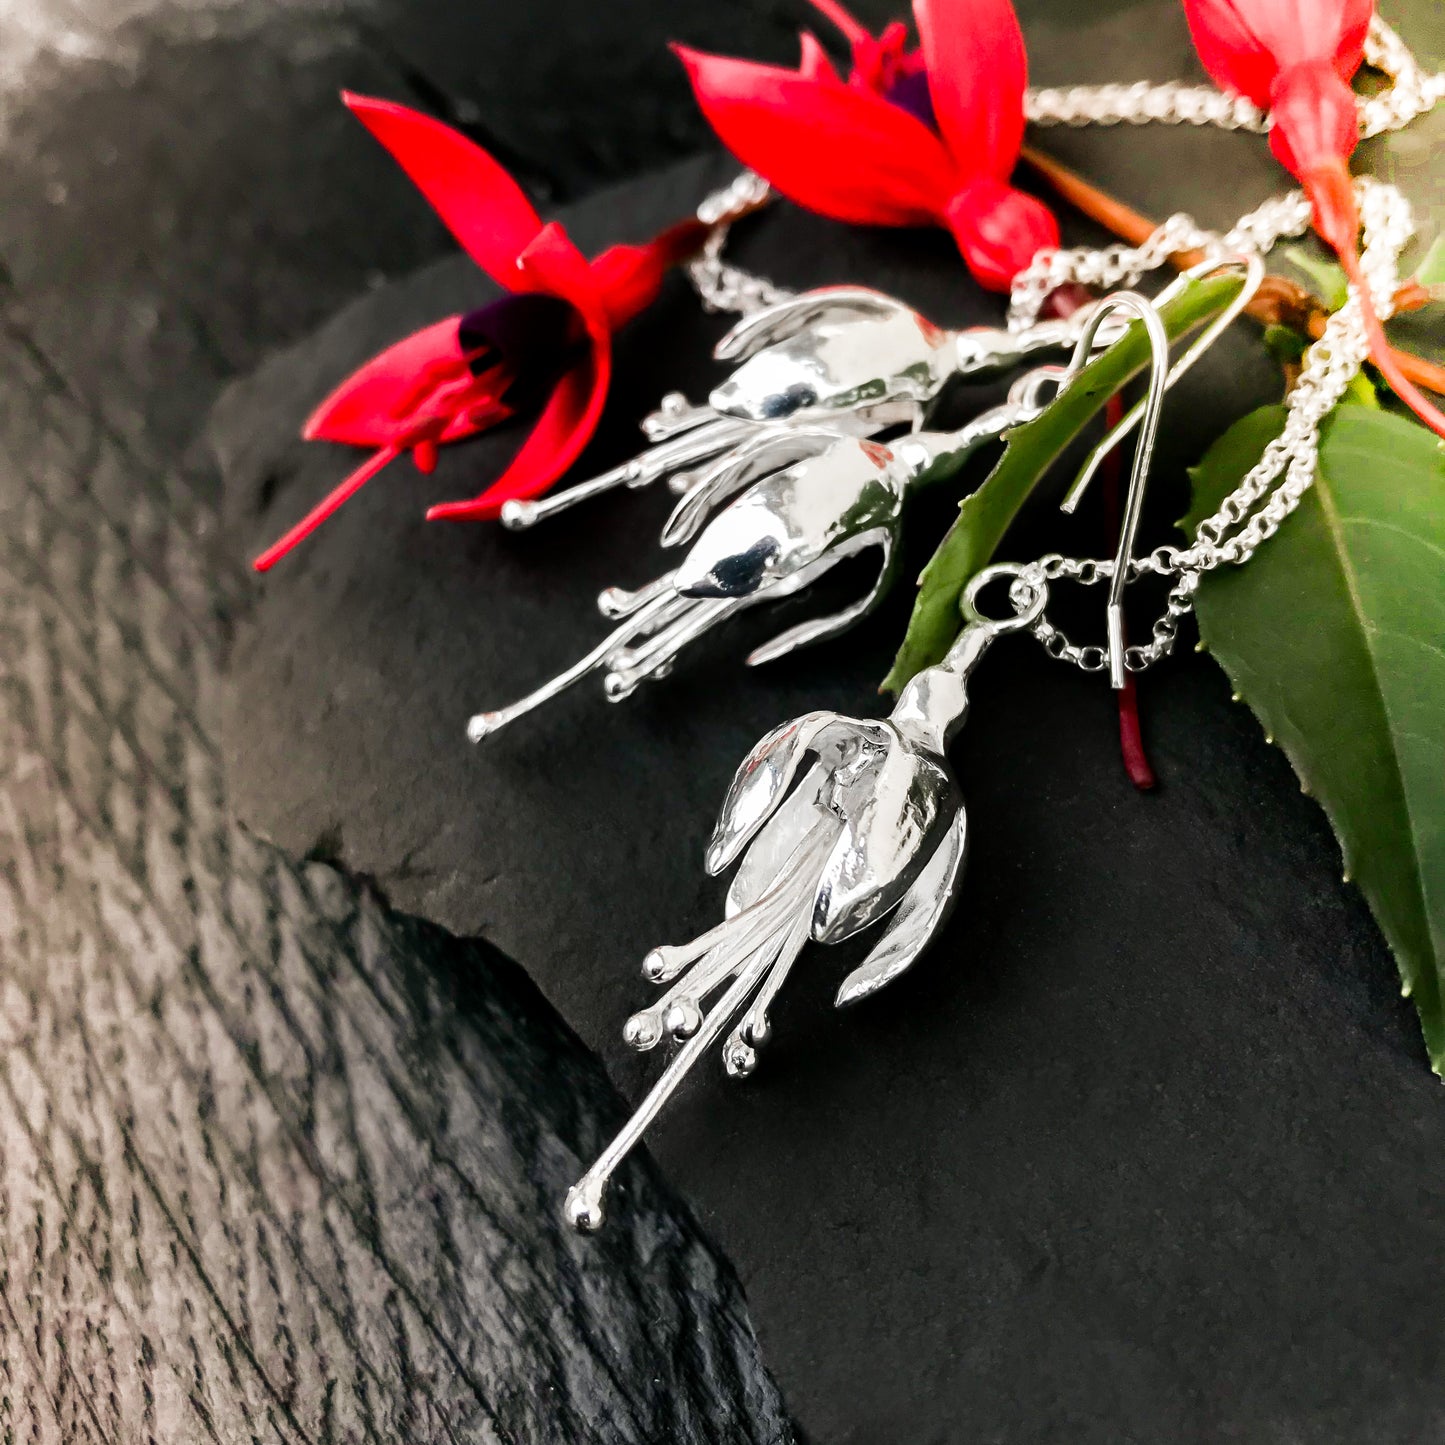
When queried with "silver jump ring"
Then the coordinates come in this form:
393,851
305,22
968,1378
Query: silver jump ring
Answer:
1028,592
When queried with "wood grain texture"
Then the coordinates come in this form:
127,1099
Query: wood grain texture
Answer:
276,1163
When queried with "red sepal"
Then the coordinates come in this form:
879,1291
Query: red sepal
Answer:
1245,44
479,203
628,278
977,72
835,149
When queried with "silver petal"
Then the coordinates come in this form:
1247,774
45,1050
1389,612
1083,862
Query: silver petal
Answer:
919,917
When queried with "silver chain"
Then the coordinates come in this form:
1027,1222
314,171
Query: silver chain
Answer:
1411,93
1110,267
720,285
1142,103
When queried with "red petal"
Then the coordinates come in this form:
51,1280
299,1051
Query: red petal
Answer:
834,149
480,204
369,408
974,56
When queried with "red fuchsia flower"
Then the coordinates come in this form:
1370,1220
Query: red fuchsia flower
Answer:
899,143
1296,59
546,346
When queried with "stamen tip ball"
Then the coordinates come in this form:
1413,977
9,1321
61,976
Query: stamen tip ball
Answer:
518,516
683,1019
739,1059
583,1206
641,1031
481,726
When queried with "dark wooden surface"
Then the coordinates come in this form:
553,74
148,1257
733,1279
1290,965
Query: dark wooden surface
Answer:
275,1163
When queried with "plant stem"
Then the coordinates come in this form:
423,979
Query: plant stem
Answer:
1277,302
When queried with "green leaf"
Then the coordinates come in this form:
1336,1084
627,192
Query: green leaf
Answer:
1329,280
1431,270
1031,449
1361,391
1335,635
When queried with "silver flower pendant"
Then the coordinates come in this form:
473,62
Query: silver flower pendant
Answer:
841,823
809,494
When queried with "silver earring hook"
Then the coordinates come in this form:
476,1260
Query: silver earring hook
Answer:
1253,268
1153,405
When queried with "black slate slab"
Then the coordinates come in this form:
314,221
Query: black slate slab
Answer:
1143,1150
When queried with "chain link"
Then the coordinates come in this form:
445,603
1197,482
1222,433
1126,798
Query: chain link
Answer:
720,285
1252,512
1113,266
1413,91
1142,103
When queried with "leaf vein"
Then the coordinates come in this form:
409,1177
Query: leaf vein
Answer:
1379,524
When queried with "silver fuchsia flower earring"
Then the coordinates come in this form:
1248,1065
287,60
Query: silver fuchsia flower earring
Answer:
812,497
847,359
843,823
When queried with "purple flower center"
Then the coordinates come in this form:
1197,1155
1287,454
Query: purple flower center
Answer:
529,338
910,93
